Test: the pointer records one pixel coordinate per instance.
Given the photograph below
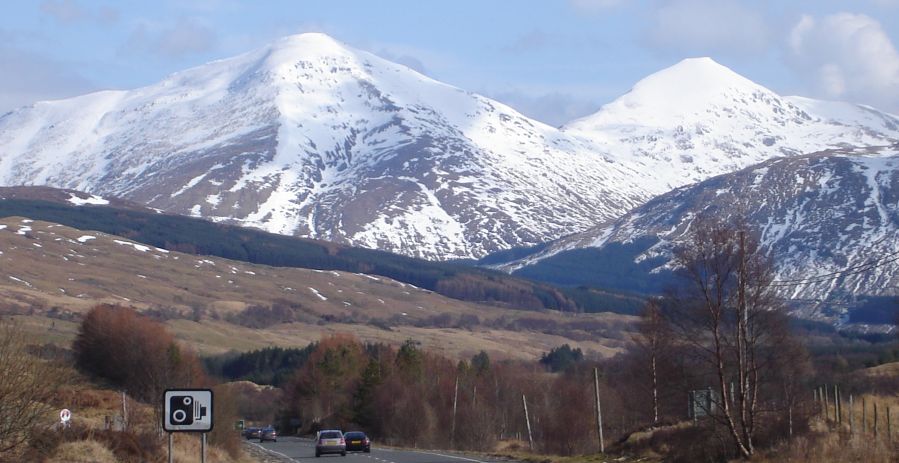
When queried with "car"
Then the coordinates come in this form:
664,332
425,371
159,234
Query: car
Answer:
357,441
330,441
268,434
252,433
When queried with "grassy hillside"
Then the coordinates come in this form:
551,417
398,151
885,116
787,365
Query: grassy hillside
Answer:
196,236
50,274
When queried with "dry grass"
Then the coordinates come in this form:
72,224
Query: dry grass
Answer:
83,451
831,447
187,450
516,450
831,441
885,370
63,272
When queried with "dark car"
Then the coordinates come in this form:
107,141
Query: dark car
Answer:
330,441
252,433
268,434
357,441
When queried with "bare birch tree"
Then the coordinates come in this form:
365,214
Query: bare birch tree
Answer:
654,343
729,315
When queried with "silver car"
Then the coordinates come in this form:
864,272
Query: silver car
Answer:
330,441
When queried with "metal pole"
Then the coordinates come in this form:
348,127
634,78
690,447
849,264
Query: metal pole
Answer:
528,421
602,444
171,445
203,449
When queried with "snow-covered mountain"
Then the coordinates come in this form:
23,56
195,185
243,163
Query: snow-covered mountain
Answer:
816,215
310,137
698,119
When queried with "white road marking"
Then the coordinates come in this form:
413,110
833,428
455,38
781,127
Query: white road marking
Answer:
272,451
445,456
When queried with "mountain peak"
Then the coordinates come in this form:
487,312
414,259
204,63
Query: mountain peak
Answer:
307,39
695,74
689,87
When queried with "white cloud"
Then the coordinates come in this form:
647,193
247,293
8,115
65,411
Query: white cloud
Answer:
176,40
704,27
28,77
405,59
70,11
554,108
847,56
529,41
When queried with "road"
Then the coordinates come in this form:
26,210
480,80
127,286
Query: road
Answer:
298,450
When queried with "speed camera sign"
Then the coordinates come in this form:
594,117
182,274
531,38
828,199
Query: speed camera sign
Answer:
188,410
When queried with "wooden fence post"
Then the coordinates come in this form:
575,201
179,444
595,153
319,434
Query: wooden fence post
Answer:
889,428
527,420
602,444
453,427
875,420
837,406
864,416
851,419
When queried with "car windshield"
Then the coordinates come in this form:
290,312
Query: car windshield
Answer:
331,435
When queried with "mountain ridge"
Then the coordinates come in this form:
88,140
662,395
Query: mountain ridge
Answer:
832,211
312,138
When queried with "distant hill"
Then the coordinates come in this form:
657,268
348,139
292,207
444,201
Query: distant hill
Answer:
197,236
828,221
50,274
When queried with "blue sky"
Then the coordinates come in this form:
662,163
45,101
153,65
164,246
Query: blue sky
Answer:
551,59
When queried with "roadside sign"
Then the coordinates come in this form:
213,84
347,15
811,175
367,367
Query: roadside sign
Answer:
239,425
65,415
187,410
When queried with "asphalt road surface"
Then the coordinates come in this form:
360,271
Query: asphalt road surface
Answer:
298,450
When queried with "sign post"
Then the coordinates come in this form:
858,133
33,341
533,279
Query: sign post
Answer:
64,416
188,410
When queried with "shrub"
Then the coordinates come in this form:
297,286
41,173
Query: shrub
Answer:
134,352
27,383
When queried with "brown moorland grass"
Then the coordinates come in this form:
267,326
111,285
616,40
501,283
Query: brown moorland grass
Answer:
83,451
50,274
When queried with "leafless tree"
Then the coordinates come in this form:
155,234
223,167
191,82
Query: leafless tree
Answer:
731,317
27,383
654,343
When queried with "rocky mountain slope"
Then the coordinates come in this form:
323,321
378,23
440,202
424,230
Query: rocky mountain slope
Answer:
312,138
828,220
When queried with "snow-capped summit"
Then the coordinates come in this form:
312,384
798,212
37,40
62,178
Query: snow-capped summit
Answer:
690,88
311,137
699,118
